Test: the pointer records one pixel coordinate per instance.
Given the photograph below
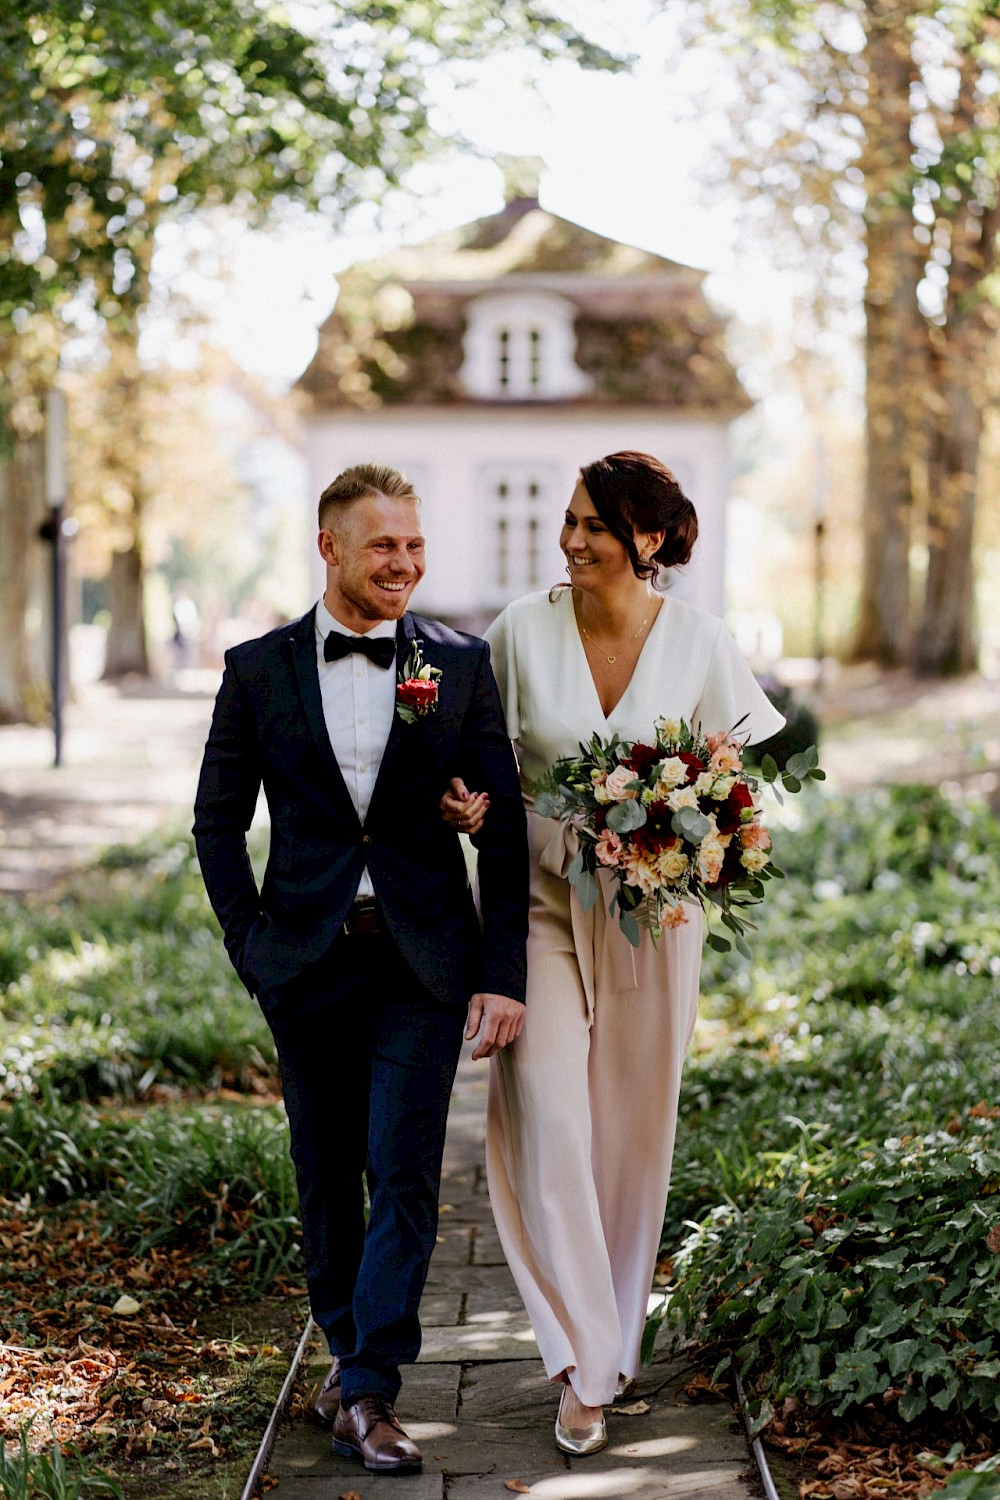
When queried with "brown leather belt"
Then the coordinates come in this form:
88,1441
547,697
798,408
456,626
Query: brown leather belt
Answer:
364,918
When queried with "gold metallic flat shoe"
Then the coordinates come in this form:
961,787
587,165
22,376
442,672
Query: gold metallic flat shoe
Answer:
625,1387
580,1440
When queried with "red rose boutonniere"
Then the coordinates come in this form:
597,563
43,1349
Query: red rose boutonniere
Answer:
416,687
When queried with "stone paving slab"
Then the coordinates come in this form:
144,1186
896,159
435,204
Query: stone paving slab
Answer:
587,1482
478,1403
480,1341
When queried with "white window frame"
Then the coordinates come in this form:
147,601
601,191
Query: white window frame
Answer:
521,346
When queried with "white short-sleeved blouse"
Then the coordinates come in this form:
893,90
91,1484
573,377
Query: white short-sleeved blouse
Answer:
690,668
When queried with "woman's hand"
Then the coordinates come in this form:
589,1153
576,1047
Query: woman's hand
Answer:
462,809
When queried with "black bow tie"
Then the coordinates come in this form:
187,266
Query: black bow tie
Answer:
381,650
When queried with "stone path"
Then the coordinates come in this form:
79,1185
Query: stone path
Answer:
130,760
478,1402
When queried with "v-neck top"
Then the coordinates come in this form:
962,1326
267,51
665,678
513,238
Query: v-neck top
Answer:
689,668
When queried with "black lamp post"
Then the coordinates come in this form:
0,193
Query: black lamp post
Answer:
55,530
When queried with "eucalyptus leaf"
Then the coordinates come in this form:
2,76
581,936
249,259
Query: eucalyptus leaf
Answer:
626,817
769,768
690,824
630,928
791,783
575,868
548,805
587,890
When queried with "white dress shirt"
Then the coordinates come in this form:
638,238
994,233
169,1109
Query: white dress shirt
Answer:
359,700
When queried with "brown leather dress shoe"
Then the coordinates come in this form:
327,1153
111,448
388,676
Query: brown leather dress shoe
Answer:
327,1401
370,1431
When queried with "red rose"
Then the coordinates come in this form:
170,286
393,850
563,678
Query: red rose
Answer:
694,763
731,867
417,693
729,815
643,759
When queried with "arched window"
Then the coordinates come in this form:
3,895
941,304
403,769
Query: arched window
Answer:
521,347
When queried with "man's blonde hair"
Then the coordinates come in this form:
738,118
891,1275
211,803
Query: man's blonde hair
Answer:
358,482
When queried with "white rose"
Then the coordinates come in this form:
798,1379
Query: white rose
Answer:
673,772
754,860
683,797
673,864
703,786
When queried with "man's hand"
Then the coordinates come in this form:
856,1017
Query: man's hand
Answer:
462,809
499,1019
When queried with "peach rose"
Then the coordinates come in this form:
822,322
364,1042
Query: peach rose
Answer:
716,741
710,857
609,849
755,836
617,784
726,758
673,915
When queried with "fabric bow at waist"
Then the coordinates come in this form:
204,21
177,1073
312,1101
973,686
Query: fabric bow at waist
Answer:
604,953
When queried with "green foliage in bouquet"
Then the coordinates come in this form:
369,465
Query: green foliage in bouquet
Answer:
676,821
799,731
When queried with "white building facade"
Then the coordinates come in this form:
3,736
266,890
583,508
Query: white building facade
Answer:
489,365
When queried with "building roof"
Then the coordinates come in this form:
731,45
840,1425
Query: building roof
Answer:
645,332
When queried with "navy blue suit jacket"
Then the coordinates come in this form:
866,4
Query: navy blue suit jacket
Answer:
268,729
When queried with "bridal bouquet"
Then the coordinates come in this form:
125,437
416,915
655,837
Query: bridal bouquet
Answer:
675,821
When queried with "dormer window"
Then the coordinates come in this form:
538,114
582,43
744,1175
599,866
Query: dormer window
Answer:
521,346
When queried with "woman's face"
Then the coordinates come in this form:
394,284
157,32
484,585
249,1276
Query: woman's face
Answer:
596,559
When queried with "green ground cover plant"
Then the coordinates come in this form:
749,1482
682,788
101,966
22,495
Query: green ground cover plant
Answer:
121,989
834,1221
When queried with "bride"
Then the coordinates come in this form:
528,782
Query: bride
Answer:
583,1106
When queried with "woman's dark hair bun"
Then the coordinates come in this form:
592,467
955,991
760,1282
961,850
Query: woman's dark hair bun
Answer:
635,492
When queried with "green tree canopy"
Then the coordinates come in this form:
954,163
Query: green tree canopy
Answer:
114,116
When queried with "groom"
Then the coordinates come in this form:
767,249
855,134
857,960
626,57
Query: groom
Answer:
362,945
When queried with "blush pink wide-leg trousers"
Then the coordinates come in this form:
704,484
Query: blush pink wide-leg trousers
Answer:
581,1122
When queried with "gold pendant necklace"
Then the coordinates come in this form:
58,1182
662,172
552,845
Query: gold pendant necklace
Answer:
597,645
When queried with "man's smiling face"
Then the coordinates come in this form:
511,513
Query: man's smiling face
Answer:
375,559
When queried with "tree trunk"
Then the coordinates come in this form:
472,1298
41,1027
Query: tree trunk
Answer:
24,598
962,344
895,341
945,642
127,648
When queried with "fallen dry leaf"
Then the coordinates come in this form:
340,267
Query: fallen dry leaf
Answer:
518,1486
637,1409
126,1306
349,1495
